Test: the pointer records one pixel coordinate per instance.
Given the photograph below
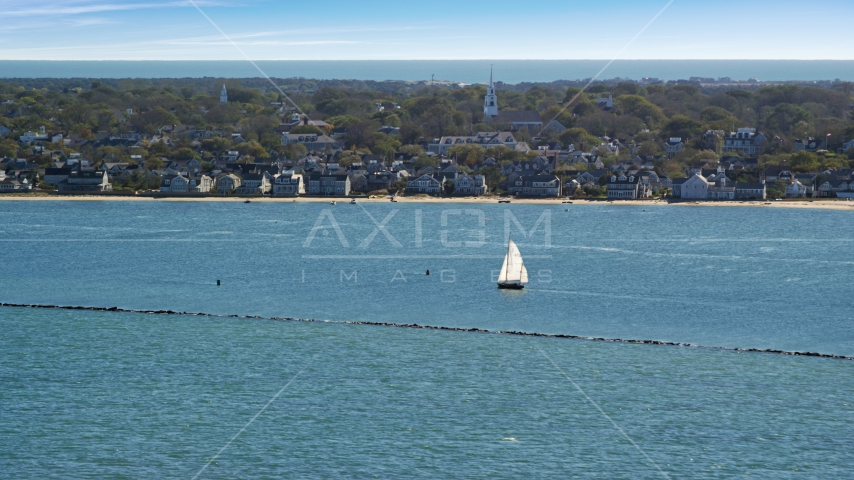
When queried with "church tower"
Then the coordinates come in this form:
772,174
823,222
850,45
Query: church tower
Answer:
490,102
223,96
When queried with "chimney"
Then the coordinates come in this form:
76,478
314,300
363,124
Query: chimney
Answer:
305,120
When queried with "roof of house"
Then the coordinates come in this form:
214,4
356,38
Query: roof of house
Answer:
622,179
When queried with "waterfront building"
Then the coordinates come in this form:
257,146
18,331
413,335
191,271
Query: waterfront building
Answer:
470,185
628,187
288,184
81,180
14,184
255,184
329,184
695,187
52,176
534,186
751,191
181,184
425,183
228,183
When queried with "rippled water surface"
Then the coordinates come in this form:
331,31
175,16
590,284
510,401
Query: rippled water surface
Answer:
734,277
148,396
100,394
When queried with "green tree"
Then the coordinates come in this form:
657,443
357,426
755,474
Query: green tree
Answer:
410,134
682,127
425,160
153,163
786,115
492,175
804,162
294,150
469,155
413,150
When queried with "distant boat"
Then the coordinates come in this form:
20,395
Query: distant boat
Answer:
353,201
513,275
504,201
332,203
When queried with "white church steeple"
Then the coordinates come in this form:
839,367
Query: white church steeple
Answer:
223,96
490,102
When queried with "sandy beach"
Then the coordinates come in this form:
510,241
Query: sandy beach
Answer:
822,204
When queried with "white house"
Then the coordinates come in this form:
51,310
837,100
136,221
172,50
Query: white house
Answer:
626,187
470,185
606,102
227,184
424,184
14,184
674,146
695,187
746,141
174,184
30,137
535,186
288,184
182,184
483,139
320,184
255,184
796,189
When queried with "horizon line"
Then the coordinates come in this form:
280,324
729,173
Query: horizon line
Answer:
453,60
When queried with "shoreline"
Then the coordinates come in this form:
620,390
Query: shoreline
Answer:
432,327
818,204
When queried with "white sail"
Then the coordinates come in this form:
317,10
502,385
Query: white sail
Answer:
513,269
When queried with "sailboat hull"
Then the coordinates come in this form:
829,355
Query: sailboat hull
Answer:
511,286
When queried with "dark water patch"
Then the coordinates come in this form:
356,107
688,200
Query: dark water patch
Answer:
430,327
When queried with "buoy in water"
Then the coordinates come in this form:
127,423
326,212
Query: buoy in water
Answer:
428,272
218,283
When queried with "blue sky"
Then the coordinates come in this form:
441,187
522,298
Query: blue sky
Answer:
440,29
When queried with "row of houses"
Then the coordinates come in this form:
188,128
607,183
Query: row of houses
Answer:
698,187
14,183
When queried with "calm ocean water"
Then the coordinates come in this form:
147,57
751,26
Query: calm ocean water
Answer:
732,277
133,396
143,396
468,71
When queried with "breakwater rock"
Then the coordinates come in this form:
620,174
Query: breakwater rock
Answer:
428,327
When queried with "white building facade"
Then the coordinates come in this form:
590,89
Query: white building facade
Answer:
490,101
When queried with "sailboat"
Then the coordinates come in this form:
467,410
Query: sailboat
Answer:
513,275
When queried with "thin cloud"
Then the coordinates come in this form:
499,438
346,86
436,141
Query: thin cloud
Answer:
35,8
